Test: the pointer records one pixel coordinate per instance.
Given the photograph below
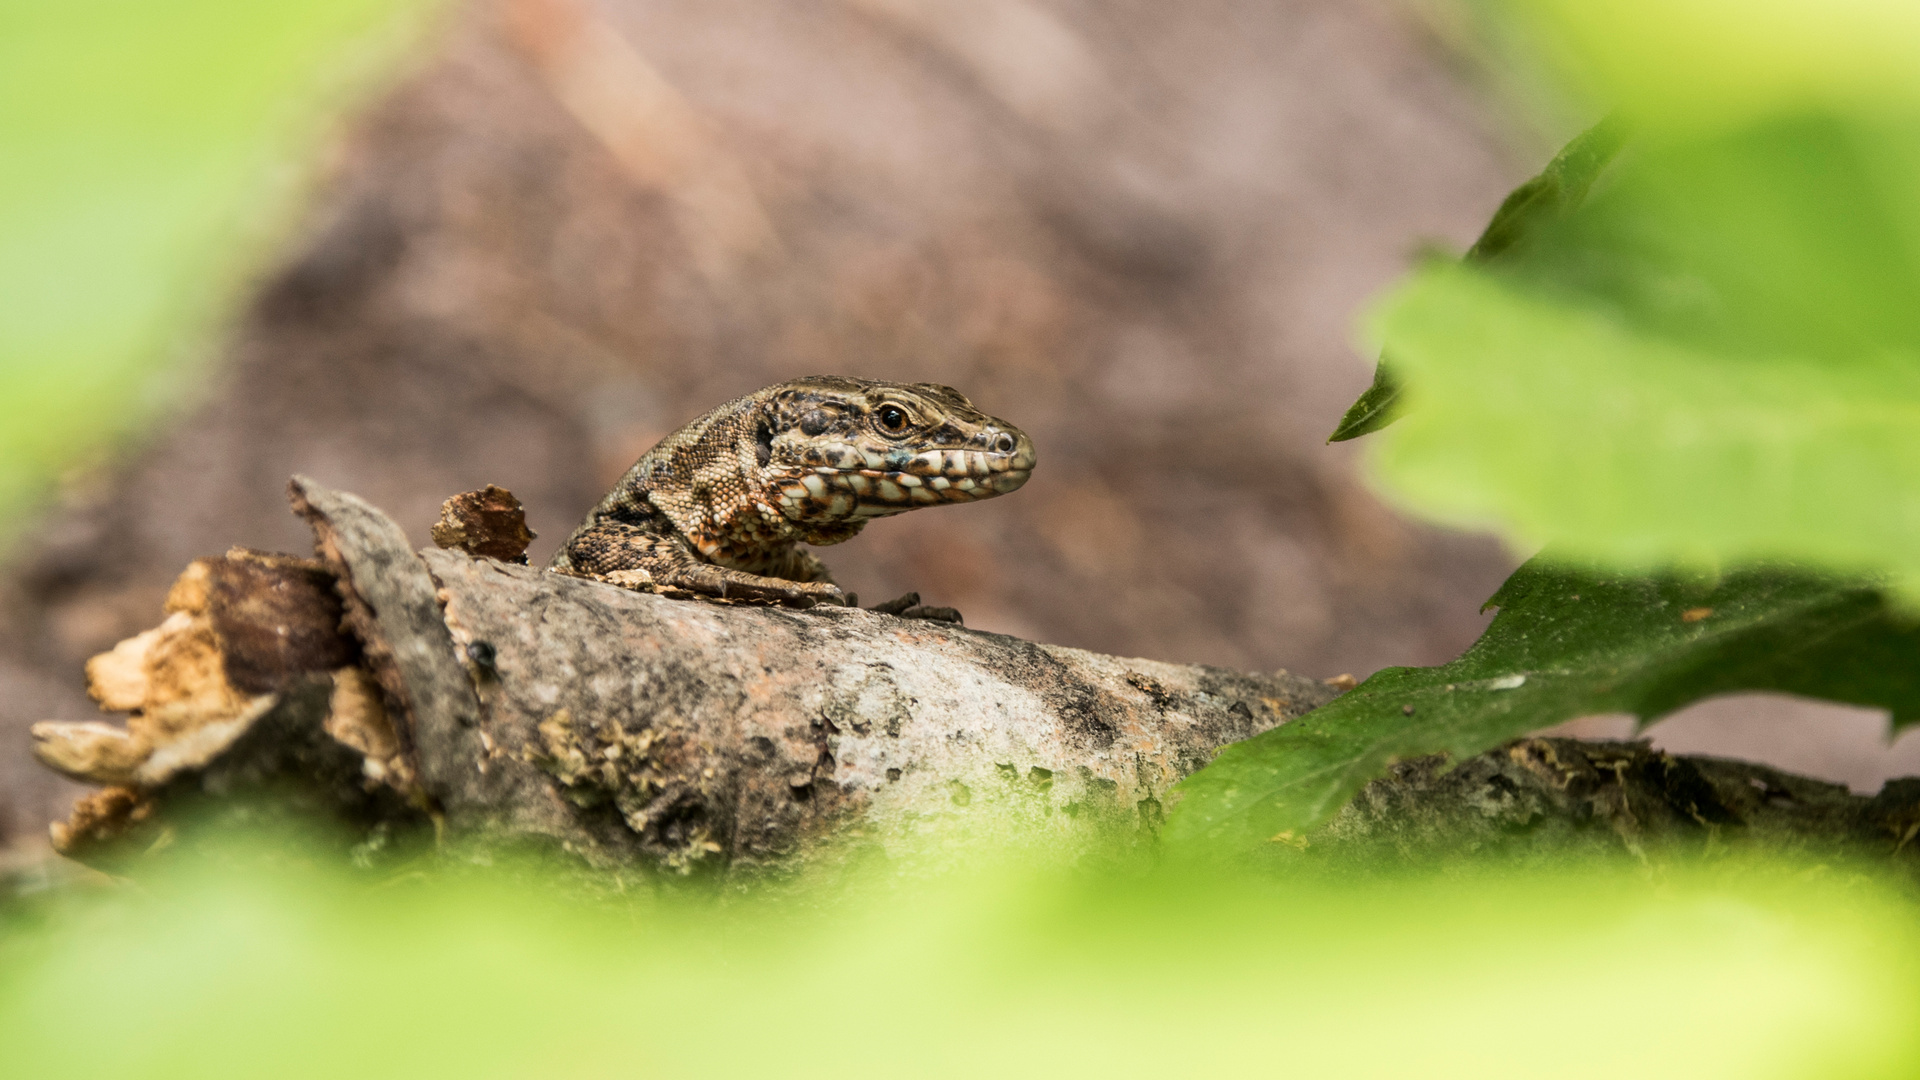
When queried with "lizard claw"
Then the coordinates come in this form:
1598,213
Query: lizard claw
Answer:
897,604
908,606
816,593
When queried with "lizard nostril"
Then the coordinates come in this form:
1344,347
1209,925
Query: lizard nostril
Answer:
1004,444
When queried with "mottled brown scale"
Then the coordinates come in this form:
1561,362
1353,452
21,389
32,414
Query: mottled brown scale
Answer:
721,506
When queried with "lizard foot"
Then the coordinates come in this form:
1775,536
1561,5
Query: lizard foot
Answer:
908,606
637,580
757,590
897,604
935,614
727,588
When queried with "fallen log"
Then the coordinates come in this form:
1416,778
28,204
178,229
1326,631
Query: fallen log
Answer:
460,697
511,706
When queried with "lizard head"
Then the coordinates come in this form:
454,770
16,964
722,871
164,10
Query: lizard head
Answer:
835,450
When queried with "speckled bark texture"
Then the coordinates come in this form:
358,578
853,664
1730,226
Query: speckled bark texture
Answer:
514,708
390,609
676,731
525,709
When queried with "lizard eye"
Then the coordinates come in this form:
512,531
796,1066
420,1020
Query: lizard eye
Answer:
892,418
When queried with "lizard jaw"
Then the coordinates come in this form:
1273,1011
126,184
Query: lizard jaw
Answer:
855,483
840,494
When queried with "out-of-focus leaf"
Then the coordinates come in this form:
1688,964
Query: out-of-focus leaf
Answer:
1715,358
1728,374
1546,198
147,154
1567,643
1702,64
1771,972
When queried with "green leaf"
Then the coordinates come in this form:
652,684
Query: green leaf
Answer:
1716,360
1558,189
1697,64
1092,967
147,163
1714,357
1377,408
1568,642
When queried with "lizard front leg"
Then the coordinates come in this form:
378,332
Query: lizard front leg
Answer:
638,558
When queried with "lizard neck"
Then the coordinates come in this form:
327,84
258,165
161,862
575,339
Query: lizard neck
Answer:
710,481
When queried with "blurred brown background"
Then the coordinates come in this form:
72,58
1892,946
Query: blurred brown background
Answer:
1139,230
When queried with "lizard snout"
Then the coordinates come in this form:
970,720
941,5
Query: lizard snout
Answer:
1009,460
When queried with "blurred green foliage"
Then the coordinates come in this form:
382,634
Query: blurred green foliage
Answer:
1568,642
1525,213
1756,972
1716,356
1689,348
150,151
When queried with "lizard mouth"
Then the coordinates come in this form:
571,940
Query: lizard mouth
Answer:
850,482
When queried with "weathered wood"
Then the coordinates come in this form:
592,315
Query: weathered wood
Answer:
489,522
391,611
239,630
630,728
696,730
517,708
229,698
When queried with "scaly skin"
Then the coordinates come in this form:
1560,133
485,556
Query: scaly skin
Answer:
720,507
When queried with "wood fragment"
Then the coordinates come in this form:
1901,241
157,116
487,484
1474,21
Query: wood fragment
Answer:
489,522
239,629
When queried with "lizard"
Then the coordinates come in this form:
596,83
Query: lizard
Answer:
719,508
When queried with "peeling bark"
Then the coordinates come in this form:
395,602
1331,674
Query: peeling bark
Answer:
521,707
239,631
383,691
489,522
392,613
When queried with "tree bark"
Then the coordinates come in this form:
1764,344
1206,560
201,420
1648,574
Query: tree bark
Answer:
487,705
513,706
